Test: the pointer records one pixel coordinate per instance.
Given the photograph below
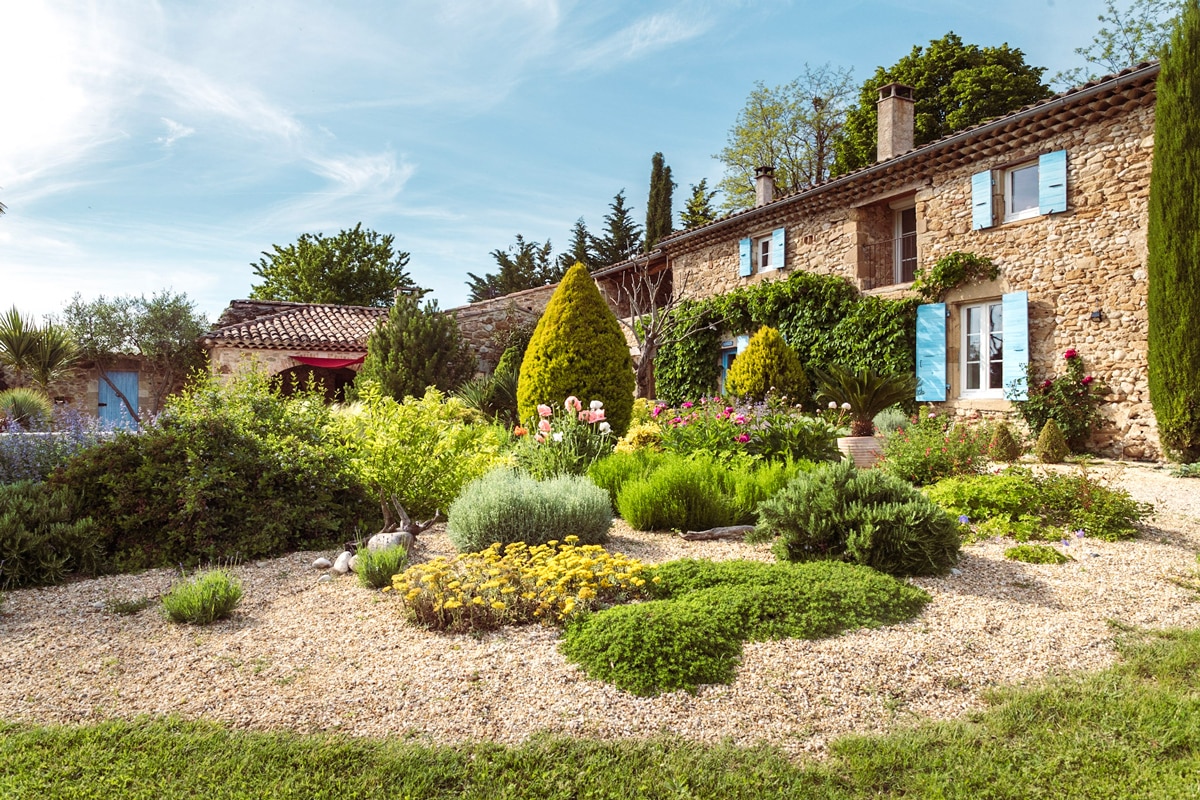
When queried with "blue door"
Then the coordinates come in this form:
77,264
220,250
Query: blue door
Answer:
112,410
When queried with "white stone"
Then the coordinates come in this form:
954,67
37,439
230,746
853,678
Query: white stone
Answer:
353,563
385,541
342,565
322,563
325,578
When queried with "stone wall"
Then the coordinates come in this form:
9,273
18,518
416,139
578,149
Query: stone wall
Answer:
480,323
1089,258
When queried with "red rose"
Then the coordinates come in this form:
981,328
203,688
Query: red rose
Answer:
1046,384
1087,379
1070,353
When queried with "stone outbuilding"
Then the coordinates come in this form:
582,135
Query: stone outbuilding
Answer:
297,342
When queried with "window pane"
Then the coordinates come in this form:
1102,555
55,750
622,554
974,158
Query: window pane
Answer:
996,347
972,348
996,375
973,319
1023,189
764,249
996,317
973,376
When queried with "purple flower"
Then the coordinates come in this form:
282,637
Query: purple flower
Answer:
963,519
1079,534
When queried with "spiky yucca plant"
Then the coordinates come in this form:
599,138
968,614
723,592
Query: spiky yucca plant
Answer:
867,392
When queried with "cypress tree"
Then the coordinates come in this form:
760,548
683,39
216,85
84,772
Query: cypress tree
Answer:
415,348
578,349
658,208
580,250
1173,266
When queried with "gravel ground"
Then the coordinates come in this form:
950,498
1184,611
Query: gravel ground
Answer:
311,656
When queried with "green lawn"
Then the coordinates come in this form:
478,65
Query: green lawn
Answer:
1130,732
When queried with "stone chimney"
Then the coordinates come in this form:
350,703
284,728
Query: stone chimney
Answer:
895,121
764,185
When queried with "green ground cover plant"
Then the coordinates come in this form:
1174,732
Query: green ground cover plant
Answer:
841,513
1027,505
1131,730
936,447
203,598
693,633
506,506
613,471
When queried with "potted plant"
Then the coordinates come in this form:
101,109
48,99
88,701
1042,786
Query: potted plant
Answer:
866,393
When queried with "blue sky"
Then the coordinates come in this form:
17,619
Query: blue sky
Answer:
164,145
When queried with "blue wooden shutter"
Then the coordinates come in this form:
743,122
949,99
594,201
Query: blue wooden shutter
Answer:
744,247
778,238
1052,182
1015,308
110,408
931,352
981,200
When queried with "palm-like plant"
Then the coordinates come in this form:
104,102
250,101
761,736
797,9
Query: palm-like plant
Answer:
867,392
55,358
18,341
25,407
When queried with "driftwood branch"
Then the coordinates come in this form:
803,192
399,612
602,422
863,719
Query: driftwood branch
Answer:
401,522
727,532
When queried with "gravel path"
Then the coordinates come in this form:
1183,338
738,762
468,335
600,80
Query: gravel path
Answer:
312,656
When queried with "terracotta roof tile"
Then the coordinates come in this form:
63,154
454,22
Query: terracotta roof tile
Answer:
296,326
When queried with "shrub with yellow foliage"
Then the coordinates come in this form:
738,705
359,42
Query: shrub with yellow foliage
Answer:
547,583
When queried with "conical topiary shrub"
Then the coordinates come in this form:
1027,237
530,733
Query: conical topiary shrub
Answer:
767,363
578,349
1051,447
1004,446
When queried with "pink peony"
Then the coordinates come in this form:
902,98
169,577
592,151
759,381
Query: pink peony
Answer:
544,410
743,438
739,420
658,410
686,404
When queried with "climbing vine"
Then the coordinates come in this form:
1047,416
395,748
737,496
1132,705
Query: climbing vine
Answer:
823,318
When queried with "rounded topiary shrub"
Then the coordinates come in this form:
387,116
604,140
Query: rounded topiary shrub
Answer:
867,517
767,363
507,506
578,350
654,647
1004,445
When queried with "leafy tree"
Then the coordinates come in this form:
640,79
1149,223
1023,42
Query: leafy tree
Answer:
354,268
622,236
523,266
791,127
699,210
1173,234
954,86
414,348
1138,33
163,331
658,207
578,349
579,251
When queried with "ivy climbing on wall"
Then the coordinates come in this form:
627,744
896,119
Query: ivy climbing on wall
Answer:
823,318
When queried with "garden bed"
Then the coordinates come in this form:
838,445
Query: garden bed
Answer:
311,656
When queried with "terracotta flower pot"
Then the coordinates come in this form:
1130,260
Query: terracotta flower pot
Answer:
864,451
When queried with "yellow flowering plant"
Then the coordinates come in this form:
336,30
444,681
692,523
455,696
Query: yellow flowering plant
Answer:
518,585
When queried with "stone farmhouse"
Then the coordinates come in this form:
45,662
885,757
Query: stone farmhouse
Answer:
1055,194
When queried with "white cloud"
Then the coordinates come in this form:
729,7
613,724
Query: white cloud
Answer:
175,132
642,37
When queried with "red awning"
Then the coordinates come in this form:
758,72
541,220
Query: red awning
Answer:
328,363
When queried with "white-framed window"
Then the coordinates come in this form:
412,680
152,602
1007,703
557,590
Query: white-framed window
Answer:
983,349
762,253
1021,192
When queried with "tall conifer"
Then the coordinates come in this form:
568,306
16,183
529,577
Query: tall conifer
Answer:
1173,266
658,208
417,347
